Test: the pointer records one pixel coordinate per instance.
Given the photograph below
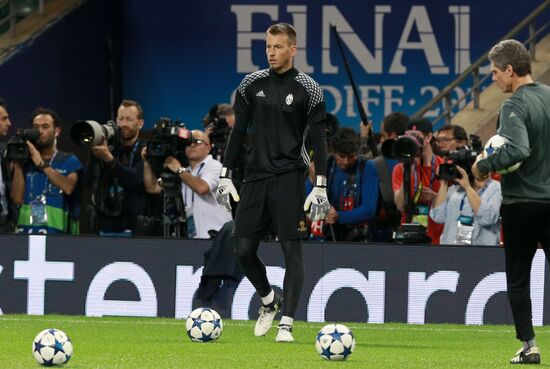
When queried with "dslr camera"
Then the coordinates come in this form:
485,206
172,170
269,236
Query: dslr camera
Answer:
17,149
90,133
464,157
405,148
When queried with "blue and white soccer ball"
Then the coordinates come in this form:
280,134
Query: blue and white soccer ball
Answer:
492,145
204,325
335,342
52,347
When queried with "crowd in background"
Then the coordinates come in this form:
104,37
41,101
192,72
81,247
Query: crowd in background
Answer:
131,194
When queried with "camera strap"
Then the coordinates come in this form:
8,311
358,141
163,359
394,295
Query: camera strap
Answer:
421,212
132,155
36,175
190,217
189,205
418,185
38,202
350,190
465,224
480,193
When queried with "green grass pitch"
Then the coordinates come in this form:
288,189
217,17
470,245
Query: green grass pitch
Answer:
117,342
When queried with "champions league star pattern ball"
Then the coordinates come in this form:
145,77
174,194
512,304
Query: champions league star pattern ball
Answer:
492,145
52,347
204,325
335,342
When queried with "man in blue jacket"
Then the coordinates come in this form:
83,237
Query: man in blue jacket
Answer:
352,186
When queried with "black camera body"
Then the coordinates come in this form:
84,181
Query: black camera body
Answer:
17,149
464,157
169,139
90,133
219,135
405,148
411,233
220,131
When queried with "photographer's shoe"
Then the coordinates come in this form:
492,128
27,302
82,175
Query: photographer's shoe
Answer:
529,356
284,333
267,314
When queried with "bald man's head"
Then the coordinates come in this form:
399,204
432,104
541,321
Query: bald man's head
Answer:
199,148
200,135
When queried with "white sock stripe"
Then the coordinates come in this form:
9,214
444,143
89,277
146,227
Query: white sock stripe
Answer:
266,300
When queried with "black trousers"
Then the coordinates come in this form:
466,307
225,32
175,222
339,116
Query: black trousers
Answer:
246,251
525,226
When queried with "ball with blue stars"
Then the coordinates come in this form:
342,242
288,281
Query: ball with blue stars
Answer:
335,342
493,145
204,325
52,347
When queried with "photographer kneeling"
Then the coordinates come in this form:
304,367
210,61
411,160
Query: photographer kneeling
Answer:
469,208
199,183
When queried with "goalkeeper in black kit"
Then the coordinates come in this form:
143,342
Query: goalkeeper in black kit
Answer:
279,108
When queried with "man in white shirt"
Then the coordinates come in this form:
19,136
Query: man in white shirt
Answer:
199,182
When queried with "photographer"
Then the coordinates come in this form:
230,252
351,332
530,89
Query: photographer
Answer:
46,186
115,175
387,215
450,137
352,188
423,179
7,213
199,182
469,209
218,124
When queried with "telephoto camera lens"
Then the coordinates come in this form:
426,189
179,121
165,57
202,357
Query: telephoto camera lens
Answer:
406,147
90,132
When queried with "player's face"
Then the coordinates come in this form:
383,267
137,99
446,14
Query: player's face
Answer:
129,123
344,161
48,132
279,52
503,78
4,122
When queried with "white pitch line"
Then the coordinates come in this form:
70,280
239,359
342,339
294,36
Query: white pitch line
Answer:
247,323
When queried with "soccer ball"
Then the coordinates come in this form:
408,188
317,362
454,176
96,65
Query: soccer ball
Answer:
204,325
335,342
491,147
52,347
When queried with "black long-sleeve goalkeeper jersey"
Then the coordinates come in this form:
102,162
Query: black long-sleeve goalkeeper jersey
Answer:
279,112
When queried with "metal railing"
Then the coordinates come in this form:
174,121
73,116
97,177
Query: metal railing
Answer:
15,8
473,70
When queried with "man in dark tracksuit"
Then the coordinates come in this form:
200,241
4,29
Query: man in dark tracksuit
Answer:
525,124
279,108
7,208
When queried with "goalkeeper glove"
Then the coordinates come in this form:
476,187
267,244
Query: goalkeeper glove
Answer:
318,199
226,188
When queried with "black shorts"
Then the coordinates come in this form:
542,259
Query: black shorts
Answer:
272,204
